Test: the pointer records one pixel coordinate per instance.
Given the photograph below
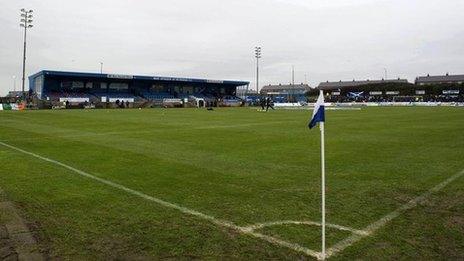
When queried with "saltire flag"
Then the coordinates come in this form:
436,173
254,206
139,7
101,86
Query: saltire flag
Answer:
318,112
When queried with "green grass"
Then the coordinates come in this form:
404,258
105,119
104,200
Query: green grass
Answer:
241,166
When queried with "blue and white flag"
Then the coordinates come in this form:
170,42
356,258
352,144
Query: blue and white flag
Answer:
318,112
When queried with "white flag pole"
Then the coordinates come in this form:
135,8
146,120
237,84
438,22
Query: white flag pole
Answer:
321,126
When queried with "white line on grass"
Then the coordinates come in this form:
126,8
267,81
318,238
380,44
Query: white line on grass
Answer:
373,227
311,223
337,248
182,209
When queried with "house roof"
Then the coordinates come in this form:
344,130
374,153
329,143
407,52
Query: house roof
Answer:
135,77
346,84
440,78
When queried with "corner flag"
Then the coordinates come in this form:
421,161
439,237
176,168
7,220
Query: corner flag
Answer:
318,112
319,116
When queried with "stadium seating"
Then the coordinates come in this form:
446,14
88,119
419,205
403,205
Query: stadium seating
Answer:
156,96
231,101
57,95
117,95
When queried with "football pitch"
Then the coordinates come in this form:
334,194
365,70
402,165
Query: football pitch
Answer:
237,183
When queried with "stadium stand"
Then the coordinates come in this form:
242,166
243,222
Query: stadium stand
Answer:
57,87
395,90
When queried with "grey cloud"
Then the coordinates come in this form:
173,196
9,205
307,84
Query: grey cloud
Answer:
327,40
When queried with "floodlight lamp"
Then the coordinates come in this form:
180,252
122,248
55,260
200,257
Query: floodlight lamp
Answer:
23,20
23,10
23,15
22,25
30,11
29,21
30,26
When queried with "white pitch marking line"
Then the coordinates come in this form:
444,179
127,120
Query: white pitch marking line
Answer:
182,209
373,227
311,223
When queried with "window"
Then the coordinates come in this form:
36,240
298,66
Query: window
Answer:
38,86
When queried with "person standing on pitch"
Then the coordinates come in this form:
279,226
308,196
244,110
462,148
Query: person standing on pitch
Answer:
269,103
262,102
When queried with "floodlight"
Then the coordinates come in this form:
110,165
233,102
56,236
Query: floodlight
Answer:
26,20
257,56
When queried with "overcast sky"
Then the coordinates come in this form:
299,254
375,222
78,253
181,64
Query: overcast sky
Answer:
326,40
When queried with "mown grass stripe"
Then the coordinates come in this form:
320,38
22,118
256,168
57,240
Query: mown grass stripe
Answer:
216,221
373,227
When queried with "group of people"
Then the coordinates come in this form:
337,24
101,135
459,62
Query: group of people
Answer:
266,103
122,104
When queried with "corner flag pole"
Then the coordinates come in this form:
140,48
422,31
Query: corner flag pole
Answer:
321,126
319,117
